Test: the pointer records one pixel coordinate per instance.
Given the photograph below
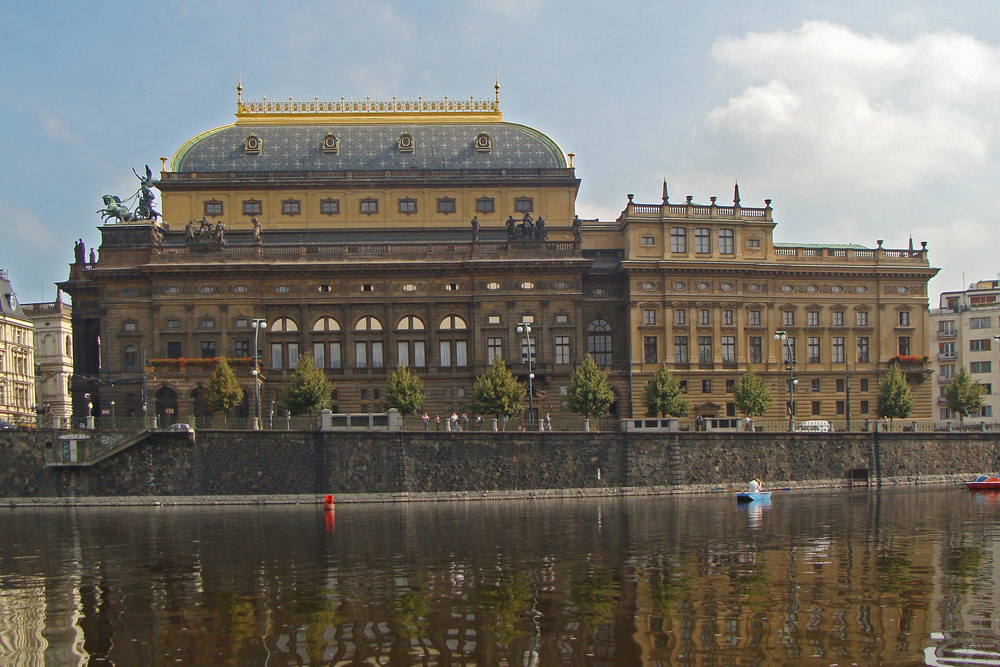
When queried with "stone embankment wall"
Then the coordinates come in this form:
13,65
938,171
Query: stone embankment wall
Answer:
287,463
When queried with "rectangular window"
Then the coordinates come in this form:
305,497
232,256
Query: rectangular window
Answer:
403,353
862,318
729,349
753,243
704,317
979,345
649,316
276,355
863,349
864,407
788,318
368,206
788,350
407,206
812,318
562,350
756,350
814,385
494,349
208,349
980,366
726,242
840,384
648,241
840,407
446,205
485,205
704,349
241,349
680,316
706,386
649,350
291,207
293,355
461,353
946,328
445,353
864,384
680,349
251,207
174,349
524,204
904,318
839,349
678,239
329,207
838,318
904,346
946,350
727,318
335,355
753,319
816,405
978,322
703,240
947,371
528,348
319,358
213,208
986,411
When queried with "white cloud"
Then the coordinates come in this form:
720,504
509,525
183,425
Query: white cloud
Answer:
25,227
56,129
826,107
512,9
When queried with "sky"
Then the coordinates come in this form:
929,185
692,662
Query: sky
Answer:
859,120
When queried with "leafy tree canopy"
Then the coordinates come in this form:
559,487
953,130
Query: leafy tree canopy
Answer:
589,391
496,392
405,392
752,396
308,389
895,400
964,395
224,390
663,395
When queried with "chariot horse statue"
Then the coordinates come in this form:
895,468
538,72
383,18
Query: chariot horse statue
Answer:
114,208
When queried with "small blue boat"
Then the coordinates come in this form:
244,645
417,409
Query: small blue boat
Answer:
747,497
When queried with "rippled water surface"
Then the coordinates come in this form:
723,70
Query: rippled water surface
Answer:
902,576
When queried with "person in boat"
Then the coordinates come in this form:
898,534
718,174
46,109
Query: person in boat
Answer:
755,485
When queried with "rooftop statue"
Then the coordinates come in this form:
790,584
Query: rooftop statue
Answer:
115,208
206,236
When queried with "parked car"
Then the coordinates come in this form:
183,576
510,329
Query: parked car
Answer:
187,428
6,425
820,425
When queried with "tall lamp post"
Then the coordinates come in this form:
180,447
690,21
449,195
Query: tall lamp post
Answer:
524,328
257,324
790,365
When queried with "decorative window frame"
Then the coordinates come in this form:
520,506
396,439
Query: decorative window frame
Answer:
331,144
447,205
407,205
486,205
253,207
253,145
291,207
329,206
524,204
484,144
369,203
405,143
213,208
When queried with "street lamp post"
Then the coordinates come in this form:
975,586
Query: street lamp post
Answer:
790,365
257,324
524,328
847,391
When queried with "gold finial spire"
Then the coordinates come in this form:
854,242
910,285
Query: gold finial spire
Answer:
496,86
239,88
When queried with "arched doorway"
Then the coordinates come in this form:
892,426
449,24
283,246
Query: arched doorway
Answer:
166,406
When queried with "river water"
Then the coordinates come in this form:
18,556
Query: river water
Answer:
834,577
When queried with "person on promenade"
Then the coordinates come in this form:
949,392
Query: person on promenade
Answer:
548,421
437,421
465,422
454,422
426,419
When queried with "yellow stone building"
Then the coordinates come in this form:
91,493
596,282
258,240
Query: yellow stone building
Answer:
375,234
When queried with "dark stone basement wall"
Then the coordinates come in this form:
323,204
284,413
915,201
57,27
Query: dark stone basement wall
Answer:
286,463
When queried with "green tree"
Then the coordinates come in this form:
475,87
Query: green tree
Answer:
663,395
308,389
405,392
752,396
894,397
964,396
589,391
224,390
497,393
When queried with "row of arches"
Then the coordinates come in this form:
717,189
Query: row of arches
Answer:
369,323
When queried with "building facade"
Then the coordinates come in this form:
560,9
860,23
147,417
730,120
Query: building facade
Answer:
964,330
372,235
53,341
17,362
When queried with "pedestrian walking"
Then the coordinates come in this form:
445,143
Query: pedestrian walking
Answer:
548,422
437,421
454,422
465,422
427,421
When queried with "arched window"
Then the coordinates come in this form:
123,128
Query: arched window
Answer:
326,343
599,342
368,350
130,359
284,325
453,343
411,347
69,346
284,349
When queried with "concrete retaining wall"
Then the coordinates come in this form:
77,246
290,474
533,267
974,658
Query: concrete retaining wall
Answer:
228,463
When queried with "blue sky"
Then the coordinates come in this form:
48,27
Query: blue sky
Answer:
860,120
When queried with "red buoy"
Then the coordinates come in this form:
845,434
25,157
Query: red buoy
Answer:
328,503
